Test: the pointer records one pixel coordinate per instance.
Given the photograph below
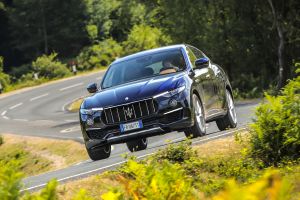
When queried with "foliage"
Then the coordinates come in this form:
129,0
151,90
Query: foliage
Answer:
10,182
49,67
152,181
270,186
39,27
143,37
98,13
47,193
276,131
176,153
4,78
99,55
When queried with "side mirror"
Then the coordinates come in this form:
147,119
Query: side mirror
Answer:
201,63
92,88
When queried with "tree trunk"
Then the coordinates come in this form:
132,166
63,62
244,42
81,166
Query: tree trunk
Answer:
281,79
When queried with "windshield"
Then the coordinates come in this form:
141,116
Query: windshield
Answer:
145,66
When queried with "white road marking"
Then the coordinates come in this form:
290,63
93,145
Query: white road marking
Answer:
21,120
3,113
217,136
84,173
15,106
119,163
38,97
5,117
71,120
71,86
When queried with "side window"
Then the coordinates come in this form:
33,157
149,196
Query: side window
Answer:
198,53
192,56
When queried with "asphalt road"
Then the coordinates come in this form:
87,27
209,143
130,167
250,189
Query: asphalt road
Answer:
40,111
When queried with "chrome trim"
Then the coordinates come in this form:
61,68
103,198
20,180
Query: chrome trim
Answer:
140,108
171,111
92,129
112,117
97,109
161,94
147,108
118,114
105,115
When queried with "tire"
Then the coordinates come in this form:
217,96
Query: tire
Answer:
199,128
137,145
230,119
99,153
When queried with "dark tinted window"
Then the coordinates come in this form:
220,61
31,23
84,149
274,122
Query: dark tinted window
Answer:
149,65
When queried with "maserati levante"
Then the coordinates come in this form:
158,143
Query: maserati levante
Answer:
173,88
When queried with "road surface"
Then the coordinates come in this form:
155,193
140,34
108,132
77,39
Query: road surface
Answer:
41,111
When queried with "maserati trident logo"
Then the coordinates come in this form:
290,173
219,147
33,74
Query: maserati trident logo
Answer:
126,98
129,112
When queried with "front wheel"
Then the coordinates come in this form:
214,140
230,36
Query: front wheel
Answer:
99,153
137,145
199,128
230,119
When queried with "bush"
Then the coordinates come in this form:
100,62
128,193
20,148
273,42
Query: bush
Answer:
152,181
4,78
18,72
143,37
176,153
49,67
270,186
276,131
98,55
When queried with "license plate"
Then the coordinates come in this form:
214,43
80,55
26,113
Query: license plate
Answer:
131,126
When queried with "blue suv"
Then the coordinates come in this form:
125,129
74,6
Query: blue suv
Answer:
173,88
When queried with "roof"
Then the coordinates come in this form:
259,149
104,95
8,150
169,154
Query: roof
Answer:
132,56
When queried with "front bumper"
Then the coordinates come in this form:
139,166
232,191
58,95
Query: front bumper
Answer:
165,120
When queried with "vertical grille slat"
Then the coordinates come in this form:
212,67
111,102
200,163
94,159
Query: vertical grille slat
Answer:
129,112
147,107
112,116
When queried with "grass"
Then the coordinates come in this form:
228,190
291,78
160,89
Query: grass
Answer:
75,105
210,169
38,155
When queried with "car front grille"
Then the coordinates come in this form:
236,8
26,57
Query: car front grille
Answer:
130,111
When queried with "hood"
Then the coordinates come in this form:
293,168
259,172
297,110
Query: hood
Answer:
134,91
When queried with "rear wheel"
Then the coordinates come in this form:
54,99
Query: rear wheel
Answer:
230,119
199,128
137,145
99,153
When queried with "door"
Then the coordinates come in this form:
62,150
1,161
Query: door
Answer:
210,86
202,79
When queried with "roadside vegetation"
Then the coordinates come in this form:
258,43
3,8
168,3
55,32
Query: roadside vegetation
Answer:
262,163
32,155
256,42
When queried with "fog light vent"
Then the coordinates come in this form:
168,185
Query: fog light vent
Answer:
90,121
173,103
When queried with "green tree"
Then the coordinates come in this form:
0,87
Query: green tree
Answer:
143,37
42,26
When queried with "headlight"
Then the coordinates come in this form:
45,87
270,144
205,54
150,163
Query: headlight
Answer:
90,111
171,92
